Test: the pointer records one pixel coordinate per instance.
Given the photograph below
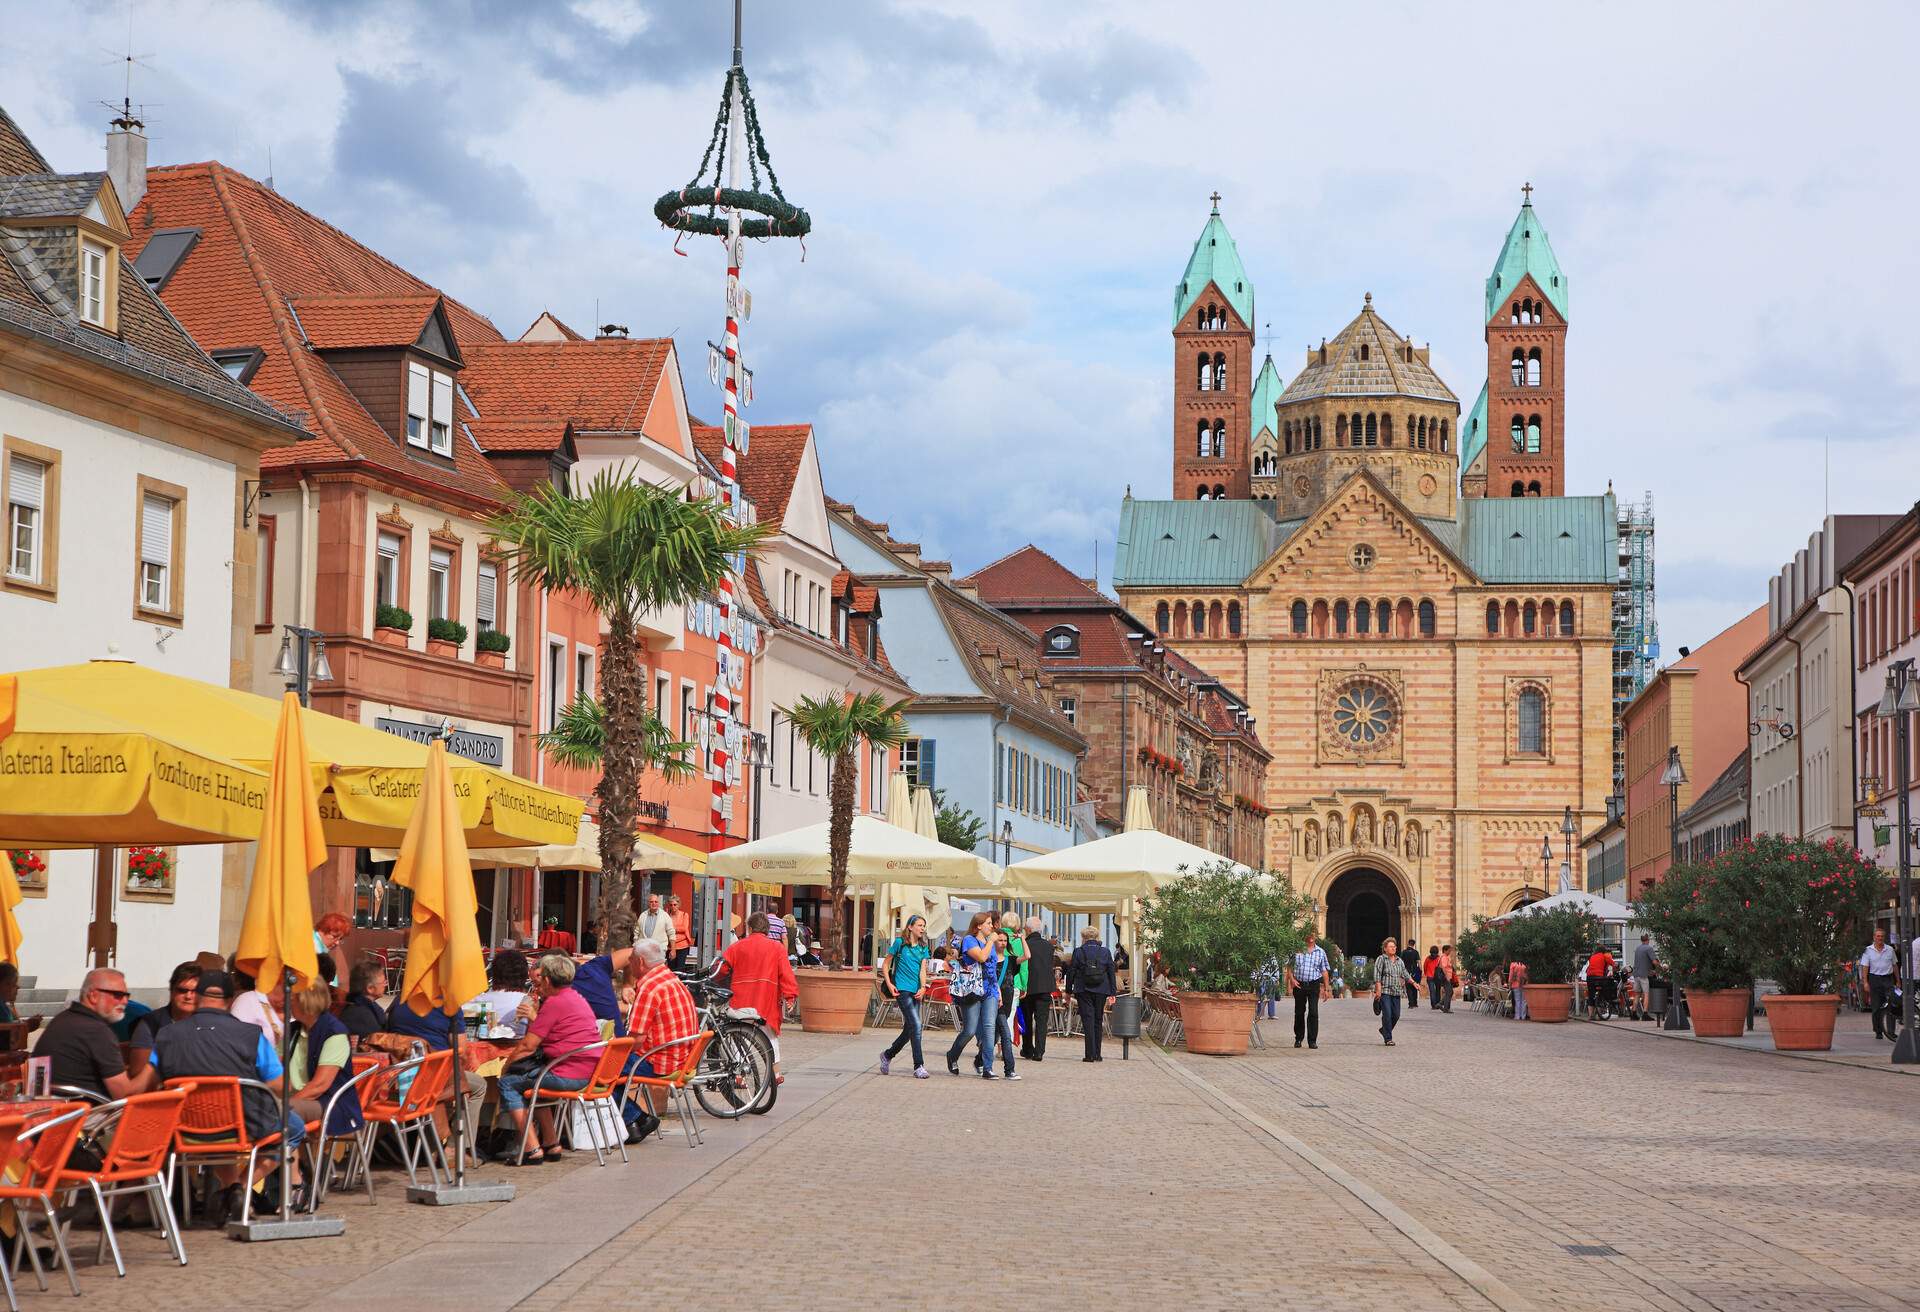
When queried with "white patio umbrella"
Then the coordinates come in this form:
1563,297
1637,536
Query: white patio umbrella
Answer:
887,896
938,901
1603,909
880,854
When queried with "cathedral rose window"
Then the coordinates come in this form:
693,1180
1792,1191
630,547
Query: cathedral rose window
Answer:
1363,714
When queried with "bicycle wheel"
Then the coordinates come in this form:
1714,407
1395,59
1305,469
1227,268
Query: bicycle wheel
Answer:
763,1055
732,1075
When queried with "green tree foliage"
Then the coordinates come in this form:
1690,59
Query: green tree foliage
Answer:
1215,927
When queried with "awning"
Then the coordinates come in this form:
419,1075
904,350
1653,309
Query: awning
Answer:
880,854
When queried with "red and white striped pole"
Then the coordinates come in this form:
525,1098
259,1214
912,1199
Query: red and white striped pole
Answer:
724,664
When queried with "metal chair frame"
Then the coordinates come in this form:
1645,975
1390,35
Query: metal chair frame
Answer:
359,1158
614,1080
153,1187
23,1218
412,1119
676,1083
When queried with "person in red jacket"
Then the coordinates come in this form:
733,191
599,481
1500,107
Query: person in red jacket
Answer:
761,976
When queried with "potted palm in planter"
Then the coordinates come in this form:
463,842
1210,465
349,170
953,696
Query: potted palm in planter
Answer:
833,998
490,648
1702,935
445,637
1213,930
391,625
1550,944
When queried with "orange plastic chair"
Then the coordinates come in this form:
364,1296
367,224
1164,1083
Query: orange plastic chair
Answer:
410,1117
41,1153
675,1082
213,1128
137,1163
597,1094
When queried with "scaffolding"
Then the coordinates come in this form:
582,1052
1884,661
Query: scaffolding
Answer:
1636,633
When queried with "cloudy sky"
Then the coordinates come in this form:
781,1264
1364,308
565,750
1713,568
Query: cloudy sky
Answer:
1004,194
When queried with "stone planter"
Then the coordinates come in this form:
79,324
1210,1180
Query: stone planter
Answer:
441,647
390,637
1217,1024
1550,1004
1802,1022
1717,1013
834,1001
490,660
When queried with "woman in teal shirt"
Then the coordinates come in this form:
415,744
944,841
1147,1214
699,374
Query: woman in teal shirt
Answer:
905,980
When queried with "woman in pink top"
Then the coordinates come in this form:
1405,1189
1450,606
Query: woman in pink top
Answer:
559,1021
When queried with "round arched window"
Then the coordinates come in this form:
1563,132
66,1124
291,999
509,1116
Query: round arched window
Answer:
1363,714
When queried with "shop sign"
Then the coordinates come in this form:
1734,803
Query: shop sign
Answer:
486,748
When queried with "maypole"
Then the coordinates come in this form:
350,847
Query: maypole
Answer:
726,205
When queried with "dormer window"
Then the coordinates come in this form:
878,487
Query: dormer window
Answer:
1063,640
430,409
93,283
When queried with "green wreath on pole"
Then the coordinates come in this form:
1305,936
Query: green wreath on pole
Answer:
697,207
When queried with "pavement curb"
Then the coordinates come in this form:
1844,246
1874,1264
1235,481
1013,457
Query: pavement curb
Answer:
1688,1036
1481,1280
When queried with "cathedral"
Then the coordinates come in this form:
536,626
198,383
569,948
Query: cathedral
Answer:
1417,614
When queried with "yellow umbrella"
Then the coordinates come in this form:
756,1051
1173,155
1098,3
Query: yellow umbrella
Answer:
9,899
277,933
445,968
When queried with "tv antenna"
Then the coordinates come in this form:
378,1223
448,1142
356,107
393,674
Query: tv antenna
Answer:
127,120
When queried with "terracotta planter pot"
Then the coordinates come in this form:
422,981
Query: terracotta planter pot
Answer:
441,647
1802,1022
491,660
390,637
834,1001
1550,1004
1217,1024
1718,1013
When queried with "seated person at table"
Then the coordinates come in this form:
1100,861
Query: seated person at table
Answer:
361,1013
212,1041
266,1007
506,990
9,997
182,998
558,1022
596,980
322,1056
663,1013
811,957
433,1030
85,1054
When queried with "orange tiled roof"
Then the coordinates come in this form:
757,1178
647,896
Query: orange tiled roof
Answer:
606,385
345,322
258,252
1032,577
519,433
769,468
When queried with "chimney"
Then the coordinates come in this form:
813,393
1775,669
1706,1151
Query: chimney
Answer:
127,159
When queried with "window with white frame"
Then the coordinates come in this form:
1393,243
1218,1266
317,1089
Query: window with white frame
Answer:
877,776
386,570
773,746
93,283
440,430
439,583
917,762
156,552
556,681
662,690
430,409
686,713
26,518
419,402
583,673
486,597
1069,707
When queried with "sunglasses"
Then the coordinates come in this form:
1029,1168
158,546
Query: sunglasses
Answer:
121,994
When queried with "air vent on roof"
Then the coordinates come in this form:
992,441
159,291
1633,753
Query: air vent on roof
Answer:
1565,534
1166,537
1213,537
1514,534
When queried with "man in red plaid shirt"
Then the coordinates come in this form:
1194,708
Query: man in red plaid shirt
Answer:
663,1011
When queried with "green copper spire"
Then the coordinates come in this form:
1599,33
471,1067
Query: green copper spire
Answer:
1215,260
1266,395
1473,431
1526,252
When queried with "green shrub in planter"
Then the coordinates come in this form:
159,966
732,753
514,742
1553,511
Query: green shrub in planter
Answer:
1215,928
492,640
1483,950
1551,944
1359,974
447,631
1704,948
392,617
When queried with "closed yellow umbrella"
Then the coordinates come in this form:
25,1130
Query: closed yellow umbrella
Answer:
9,899
445,968
277,932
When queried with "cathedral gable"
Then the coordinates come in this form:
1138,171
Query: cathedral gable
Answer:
1363,530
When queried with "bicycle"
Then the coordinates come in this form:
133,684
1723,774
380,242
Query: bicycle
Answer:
736,1075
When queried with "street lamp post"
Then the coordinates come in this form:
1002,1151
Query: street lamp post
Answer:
1567,831
303,661
1546,862
1898,703
1673,776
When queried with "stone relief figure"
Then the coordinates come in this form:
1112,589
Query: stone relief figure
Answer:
1363,828
1390,832
1333,832
1310,842
1413,839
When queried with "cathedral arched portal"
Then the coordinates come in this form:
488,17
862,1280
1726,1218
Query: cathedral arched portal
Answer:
1363,907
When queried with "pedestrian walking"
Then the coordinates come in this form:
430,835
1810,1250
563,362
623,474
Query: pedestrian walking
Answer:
1517,981
1645,963
1449,973
1307,979
1037,998
1428,970
903,976
1878,963
1091,980
1410,958
976,996
1391,982
1013,986
1267,983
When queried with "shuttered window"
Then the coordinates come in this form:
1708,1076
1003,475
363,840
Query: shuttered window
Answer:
485,597
439,583
418,386
440,434
26,517
156,552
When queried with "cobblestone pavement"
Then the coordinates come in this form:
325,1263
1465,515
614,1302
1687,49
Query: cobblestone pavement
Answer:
1451,1171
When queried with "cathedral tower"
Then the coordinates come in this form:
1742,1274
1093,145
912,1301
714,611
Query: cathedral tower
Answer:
1519,421
1212,369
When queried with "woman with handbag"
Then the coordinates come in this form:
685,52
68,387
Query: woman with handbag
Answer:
903,977
1390,983
976,993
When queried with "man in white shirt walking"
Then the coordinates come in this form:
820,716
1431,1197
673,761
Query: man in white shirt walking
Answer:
654,924
1877,963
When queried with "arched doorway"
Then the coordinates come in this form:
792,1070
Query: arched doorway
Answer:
1363,908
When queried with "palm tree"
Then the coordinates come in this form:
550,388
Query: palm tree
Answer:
835,728
629,547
